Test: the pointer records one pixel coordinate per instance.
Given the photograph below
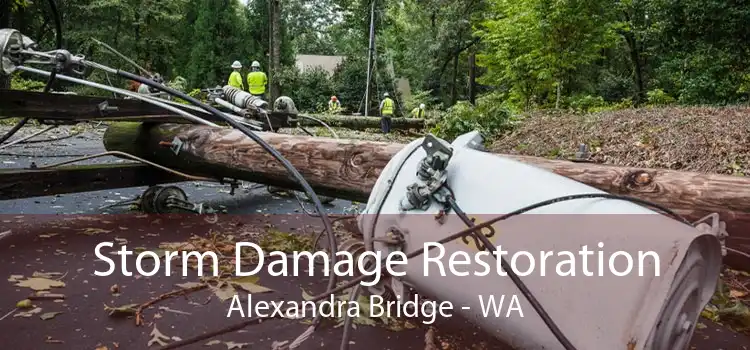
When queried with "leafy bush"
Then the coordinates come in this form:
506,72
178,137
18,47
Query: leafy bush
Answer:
490,116
585,103
19,83
310,89
658,97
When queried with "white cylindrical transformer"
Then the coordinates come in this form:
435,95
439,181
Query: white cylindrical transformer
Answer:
655,305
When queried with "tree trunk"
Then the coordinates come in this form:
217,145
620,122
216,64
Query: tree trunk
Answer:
472,77
362,123
348,169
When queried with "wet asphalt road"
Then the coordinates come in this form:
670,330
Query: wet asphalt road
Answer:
41,242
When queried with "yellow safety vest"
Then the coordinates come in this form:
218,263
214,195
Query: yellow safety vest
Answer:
256,82
387,107
235,80
417,113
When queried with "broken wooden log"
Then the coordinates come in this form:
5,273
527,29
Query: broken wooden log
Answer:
348,169
363,123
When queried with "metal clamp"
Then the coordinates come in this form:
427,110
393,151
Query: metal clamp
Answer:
431,174
716,228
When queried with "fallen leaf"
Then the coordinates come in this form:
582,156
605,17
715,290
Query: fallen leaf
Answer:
737,293
50,275
248,284
212,343
37,283
93,231
101,348
15,278
176,338
124,310
189,285
158,338
29,313
24,304
49,315
225,291
232,345
48,235
114,289
49,340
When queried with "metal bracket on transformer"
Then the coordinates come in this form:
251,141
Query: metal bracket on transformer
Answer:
431,175
712,224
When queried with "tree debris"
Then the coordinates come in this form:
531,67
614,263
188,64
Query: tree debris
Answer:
49,315
36,283
158,338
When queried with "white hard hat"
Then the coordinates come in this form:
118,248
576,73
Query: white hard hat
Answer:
255,64
236,64
421,106
385,94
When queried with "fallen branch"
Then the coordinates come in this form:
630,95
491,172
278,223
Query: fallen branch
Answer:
139,309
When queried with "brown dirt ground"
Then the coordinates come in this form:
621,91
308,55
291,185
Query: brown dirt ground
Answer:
702,139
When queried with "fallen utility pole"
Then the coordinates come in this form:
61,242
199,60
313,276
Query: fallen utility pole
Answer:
362,123
348,169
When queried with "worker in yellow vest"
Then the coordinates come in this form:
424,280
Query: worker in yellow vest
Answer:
418,112
235,79
386,113
257,81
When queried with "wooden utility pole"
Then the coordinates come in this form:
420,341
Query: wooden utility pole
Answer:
274,62
348,169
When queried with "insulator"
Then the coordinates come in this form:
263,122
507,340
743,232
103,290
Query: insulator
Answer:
243,99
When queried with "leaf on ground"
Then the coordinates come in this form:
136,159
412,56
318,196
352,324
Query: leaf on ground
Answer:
224,291
737,293
212,343
306,296
37,283
232,345
123,310
248,283
158,338
24,304
50,235
90,231
49,315
15,278
50,275
29,313
189,285
101,348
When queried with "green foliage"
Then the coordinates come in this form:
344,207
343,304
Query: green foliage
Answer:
490,116
19,83
310,89
586,103
658,97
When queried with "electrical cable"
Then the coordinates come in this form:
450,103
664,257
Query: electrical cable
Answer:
21,140
473,229
129,156
135,95
268,148
465,232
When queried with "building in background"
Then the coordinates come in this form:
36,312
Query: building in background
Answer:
327,63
